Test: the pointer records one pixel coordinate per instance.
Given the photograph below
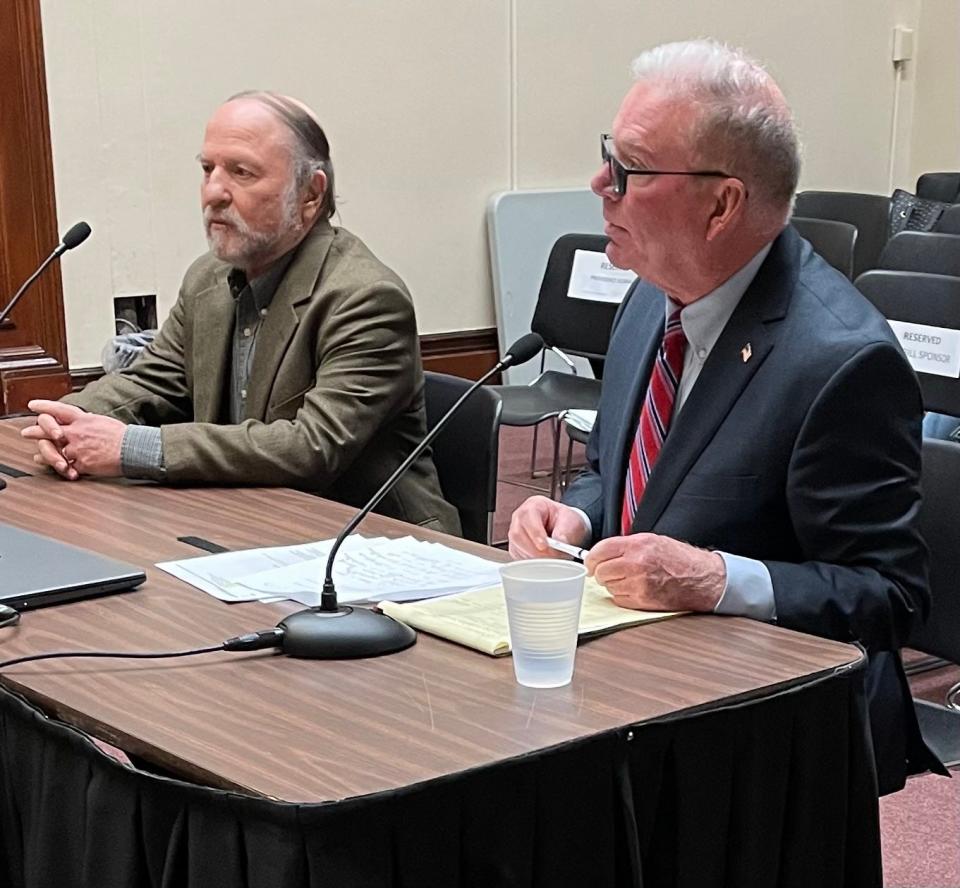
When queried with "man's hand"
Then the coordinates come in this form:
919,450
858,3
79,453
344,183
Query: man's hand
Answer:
75,443
538,518
646,571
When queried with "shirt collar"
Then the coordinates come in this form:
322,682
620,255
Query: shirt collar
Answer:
703,321
263,286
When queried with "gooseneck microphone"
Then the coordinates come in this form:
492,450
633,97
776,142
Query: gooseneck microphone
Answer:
73,238
334,632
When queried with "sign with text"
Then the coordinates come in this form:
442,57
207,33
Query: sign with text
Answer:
934,350
595,277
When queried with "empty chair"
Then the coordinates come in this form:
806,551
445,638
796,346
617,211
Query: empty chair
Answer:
834,241
568,326
933,301
868,213
940,634
949,221
929,251
918,298
939,186
465,452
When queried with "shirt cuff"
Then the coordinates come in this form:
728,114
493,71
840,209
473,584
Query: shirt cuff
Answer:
748,591
141,453
586,522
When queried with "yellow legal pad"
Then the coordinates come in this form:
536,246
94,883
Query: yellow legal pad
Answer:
478,618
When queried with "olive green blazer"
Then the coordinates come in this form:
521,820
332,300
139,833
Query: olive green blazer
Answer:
335,400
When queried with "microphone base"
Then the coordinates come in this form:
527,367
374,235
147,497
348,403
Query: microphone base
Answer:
350,633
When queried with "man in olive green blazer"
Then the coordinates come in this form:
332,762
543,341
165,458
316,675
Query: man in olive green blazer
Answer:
290,357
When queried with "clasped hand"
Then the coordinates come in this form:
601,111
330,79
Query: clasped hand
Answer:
73,442
644,571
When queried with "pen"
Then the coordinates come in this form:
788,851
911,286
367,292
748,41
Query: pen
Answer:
567,549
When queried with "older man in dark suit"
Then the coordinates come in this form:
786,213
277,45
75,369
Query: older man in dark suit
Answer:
291,355
757,448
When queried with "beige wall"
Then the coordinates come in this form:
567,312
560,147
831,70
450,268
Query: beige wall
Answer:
432,106
935,134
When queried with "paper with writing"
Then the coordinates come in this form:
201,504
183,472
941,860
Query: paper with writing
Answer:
478,618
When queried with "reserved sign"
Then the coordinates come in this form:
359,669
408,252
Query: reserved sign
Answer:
595,277
929,349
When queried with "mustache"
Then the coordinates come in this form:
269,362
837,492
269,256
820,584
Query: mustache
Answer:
228,215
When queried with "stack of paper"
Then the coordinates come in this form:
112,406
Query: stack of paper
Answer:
580,419
366,569
478,618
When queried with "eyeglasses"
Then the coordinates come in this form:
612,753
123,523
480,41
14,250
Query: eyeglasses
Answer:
619,173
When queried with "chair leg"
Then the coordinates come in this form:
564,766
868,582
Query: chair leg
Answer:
566,469
533,452
555,471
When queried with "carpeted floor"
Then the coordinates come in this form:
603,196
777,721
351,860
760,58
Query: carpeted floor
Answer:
919,826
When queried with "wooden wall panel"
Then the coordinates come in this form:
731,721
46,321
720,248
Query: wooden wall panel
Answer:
33,342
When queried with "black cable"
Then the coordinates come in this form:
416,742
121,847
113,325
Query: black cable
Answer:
252,641
56,654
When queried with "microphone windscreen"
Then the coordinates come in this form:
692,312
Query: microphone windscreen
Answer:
76,235
525,348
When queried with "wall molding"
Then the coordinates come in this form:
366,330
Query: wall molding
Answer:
466,353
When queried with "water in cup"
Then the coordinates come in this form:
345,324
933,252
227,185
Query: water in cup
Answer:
543,598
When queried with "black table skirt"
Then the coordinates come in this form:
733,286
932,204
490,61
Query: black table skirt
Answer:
778,791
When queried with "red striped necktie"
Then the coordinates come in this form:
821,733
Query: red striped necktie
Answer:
654,417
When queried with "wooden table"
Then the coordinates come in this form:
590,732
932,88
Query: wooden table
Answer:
304,731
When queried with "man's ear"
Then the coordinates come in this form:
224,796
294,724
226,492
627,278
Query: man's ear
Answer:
730,201
313,197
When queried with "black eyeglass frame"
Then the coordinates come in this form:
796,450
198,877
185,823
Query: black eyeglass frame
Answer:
619,173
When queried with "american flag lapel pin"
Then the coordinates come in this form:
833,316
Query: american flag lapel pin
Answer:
746,353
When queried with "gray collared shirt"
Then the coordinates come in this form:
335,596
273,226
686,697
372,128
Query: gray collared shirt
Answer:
252,300
141,451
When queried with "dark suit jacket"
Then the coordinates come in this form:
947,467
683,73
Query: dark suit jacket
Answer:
806,456
335,400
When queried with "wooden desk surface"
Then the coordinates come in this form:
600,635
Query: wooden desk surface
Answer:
310,730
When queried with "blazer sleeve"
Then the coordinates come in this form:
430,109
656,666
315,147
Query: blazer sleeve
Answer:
366,359
853,492
154,389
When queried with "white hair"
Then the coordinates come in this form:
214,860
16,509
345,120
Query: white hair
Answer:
743,124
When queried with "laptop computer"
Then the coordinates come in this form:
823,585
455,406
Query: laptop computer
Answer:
36,571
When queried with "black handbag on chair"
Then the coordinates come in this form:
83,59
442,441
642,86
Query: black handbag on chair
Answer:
911,213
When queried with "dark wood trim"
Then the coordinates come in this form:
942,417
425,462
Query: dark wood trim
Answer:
33,341
466,353
80,378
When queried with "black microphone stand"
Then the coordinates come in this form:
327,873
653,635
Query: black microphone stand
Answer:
73,238
335,632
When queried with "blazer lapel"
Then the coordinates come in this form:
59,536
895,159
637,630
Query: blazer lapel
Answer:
743,345
212,350
283,316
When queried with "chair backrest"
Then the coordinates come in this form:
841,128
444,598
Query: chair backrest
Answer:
949,221
834,241
929,251
868,213
940,526
575,326
918,298
466,451
939,186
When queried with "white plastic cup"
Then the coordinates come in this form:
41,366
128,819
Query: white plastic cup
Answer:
543,599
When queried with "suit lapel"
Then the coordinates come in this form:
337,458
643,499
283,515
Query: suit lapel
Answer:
752,326
212,349
283,316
